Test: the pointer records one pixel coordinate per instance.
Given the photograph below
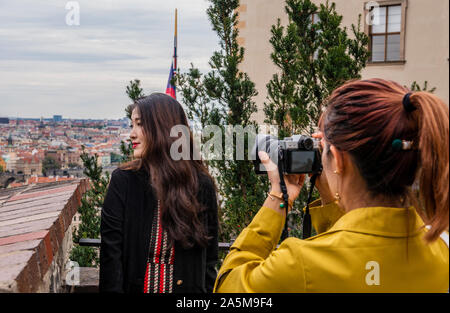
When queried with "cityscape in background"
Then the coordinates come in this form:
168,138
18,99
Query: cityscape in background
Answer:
44,150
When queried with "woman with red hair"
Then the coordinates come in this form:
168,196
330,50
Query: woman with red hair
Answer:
382,216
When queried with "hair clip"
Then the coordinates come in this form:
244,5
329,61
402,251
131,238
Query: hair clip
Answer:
409,107
398,145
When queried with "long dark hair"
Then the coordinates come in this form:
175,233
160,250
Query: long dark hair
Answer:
365,116
176,183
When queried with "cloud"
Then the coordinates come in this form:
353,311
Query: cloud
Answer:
48,67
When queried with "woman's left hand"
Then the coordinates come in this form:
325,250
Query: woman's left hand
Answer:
294,182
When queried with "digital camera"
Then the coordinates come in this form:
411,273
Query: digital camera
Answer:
298,154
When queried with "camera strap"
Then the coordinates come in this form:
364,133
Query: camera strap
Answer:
306,232
283,188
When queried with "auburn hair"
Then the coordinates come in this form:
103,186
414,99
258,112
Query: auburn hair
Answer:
176,182
363,118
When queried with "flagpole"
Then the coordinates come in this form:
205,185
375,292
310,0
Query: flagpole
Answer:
171,89
175,42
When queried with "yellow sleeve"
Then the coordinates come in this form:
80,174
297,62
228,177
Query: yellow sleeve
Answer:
323,217
254,266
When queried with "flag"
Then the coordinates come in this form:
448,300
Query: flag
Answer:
170,90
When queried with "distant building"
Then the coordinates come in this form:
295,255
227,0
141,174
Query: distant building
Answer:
10,145
10,140
57,118
2,165
64,157
411,42
54,155
70,158
27,165
41,124
4,120
32,166
104,160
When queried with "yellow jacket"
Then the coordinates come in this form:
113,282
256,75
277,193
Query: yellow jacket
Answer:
364,250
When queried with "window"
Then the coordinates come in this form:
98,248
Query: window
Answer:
387,31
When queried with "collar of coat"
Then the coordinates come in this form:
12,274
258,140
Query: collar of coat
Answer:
381,221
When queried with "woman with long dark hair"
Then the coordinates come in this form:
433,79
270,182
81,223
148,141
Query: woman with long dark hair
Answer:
383,214
159,219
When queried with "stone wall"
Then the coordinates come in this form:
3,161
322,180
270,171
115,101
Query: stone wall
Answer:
36,235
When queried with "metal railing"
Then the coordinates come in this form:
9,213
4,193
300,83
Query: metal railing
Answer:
89,242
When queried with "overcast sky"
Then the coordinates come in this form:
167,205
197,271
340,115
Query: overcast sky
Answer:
48,67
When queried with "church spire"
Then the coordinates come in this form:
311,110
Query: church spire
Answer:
10,140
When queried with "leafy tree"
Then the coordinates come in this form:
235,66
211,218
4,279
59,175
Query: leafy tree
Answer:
126,148
314,55
49,164
200,109
116,158
134,92
84,256
89,211
222,97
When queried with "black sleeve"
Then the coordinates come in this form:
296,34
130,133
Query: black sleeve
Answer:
212,248
111,230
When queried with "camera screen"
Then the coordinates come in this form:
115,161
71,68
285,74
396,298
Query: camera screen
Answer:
302,161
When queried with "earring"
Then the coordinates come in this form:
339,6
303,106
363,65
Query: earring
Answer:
337,196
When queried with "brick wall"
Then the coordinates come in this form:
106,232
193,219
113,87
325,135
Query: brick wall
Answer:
36,235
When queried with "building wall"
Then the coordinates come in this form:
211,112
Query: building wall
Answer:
32,168
12,164
55,155
2,164
27,167
426,43
69,157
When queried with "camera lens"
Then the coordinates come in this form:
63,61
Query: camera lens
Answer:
306,143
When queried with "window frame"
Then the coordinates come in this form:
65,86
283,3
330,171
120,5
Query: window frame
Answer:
402,33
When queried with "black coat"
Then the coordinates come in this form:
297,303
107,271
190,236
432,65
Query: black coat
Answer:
125,237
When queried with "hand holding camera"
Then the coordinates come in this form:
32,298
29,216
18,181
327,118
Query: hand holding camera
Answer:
298,154
294,157
294,182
